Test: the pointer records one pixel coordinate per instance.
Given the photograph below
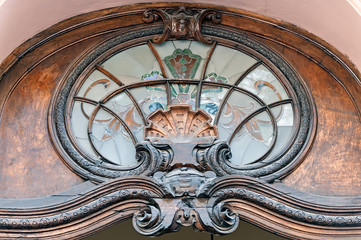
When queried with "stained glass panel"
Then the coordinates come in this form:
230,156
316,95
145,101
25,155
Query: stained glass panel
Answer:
241,117
183,94
150,98
97,86
79,119
111,140
263,83
229,63
253,140
130,65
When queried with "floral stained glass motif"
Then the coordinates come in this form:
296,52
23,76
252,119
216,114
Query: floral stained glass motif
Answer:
183,64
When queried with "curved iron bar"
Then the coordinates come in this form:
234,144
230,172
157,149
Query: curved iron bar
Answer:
90,137
177,81
206,62
223,103
274,125
108,110
90,126
248,71
228,94
199,94
85,100
105,82
109,75
120,84
157,57
167,85
136,105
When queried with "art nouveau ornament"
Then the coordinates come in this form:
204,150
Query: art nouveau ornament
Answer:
196,116
190,115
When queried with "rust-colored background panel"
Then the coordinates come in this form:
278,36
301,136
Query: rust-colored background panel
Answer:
333,164
28,157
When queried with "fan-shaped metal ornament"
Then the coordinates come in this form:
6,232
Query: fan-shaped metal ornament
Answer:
180,124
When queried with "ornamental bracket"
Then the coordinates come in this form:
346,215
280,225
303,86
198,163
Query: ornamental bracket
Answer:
182,23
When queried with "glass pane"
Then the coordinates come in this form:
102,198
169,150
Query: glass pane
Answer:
111,139
285,122
264,84
150,98
229,63
123,106
79,118
97,86
130,65
211,99
184,94
253,140
237,108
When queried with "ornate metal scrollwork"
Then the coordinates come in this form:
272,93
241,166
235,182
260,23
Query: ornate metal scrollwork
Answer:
214,157
182,23
158,156
146,220
225,218
186,212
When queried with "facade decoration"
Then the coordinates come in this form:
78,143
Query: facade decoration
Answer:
179,115
180,120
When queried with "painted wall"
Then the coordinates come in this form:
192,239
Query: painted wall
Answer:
336,21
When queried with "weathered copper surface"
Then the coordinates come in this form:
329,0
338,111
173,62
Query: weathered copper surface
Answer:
28,158
333,164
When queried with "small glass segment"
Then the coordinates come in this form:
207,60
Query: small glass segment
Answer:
229,63
151,98
244,98
253,140
111,140
130,65
263,83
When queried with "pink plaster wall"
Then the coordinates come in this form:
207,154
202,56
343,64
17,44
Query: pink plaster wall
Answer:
335,21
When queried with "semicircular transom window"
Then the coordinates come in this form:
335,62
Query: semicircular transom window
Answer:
245,98
126,93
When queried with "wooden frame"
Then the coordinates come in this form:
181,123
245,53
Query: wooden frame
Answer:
213,205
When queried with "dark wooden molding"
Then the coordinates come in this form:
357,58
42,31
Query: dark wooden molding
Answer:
213,207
